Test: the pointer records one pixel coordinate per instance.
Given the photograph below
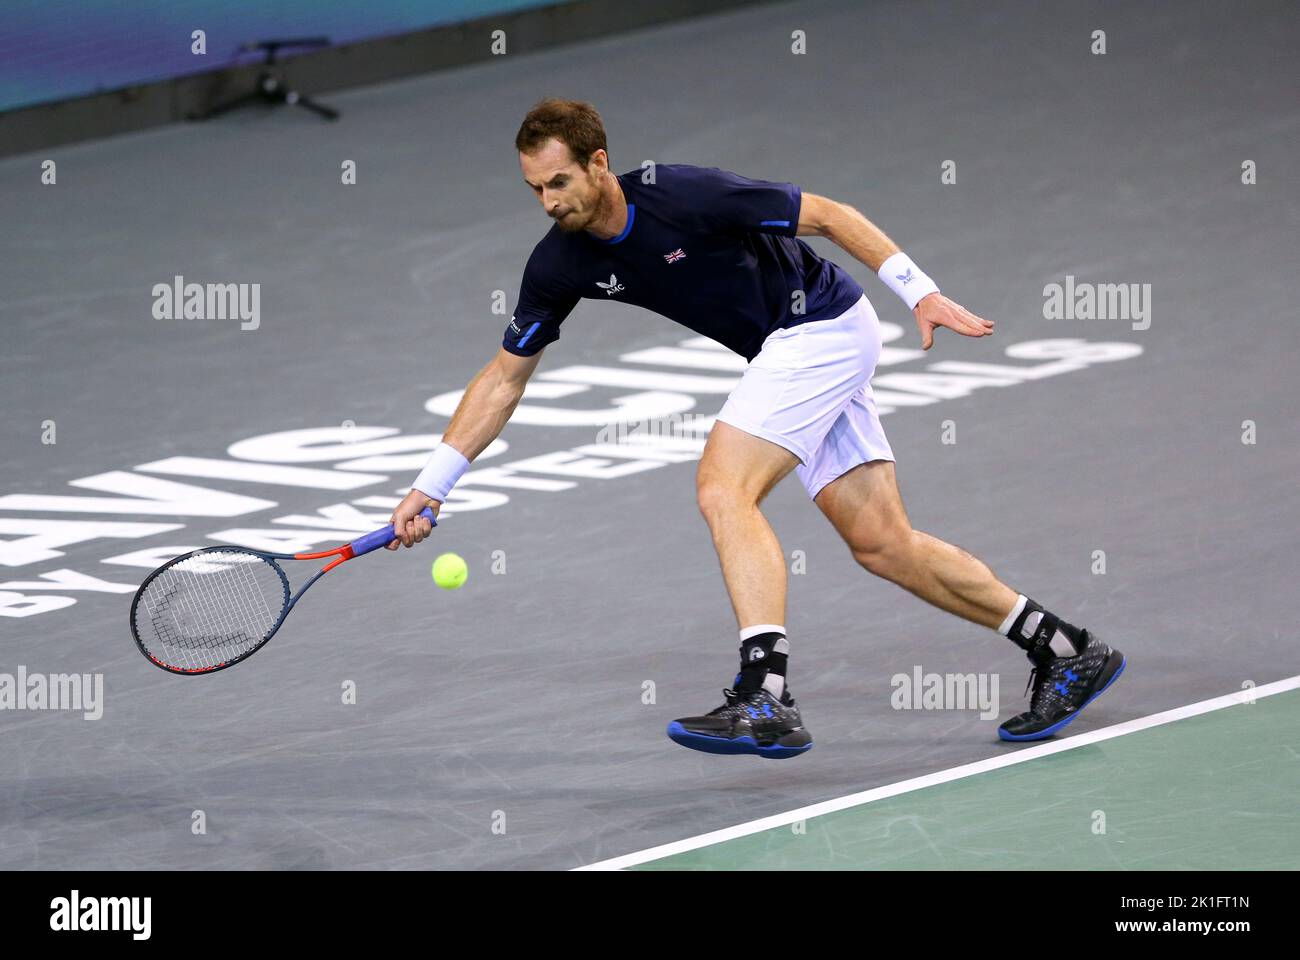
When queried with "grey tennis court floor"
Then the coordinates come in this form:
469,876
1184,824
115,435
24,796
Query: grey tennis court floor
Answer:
1133,470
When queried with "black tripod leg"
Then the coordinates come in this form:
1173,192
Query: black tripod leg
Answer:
329,113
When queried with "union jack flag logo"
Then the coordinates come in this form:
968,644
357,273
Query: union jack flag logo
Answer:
676,255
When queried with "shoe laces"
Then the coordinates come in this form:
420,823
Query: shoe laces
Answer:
1032,673
730,696
1039,674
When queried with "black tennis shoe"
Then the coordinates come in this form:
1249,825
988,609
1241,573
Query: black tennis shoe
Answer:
1062,687
750,721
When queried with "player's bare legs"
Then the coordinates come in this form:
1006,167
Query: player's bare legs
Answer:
736,472
866,509
1072,667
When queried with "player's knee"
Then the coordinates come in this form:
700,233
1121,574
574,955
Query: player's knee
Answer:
716,496
713,496
885,555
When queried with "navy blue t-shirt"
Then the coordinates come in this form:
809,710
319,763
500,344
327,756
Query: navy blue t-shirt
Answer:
714,251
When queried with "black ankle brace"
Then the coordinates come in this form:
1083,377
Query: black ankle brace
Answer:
1034,633
758,658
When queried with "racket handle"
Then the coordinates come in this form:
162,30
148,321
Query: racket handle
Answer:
383,537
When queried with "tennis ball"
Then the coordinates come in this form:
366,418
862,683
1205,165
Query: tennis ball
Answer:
449,571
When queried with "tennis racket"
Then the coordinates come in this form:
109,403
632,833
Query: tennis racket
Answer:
209,609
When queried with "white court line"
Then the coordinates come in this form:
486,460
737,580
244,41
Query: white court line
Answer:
942,776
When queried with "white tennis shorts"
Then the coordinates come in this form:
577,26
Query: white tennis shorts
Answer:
809,390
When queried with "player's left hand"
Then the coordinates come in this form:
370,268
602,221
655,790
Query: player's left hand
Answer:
936,310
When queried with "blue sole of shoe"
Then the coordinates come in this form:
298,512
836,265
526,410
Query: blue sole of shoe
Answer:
1044,734
741,745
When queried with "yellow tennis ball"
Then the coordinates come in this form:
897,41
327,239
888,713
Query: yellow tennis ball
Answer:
450,571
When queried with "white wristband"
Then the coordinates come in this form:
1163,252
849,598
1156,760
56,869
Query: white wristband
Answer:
906,279
445,467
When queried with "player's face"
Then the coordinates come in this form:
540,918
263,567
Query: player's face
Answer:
568,192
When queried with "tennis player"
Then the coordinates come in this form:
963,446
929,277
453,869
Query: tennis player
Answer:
719,253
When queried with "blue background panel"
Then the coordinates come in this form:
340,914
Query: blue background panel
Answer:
58,49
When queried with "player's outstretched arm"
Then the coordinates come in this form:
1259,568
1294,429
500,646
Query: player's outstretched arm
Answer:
489,400
849,229
481,415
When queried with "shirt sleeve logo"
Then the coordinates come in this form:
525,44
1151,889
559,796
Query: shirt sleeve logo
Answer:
678,254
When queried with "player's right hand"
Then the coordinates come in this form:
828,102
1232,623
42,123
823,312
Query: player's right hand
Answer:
409,527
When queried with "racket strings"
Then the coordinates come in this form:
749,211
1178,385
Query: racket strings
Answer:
211,608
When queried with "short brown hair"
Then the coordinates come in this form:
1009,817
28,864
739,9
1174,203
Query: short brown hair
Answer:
574,123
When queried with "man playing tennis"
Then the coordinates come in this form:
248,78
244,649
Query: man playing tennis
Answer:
718,253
